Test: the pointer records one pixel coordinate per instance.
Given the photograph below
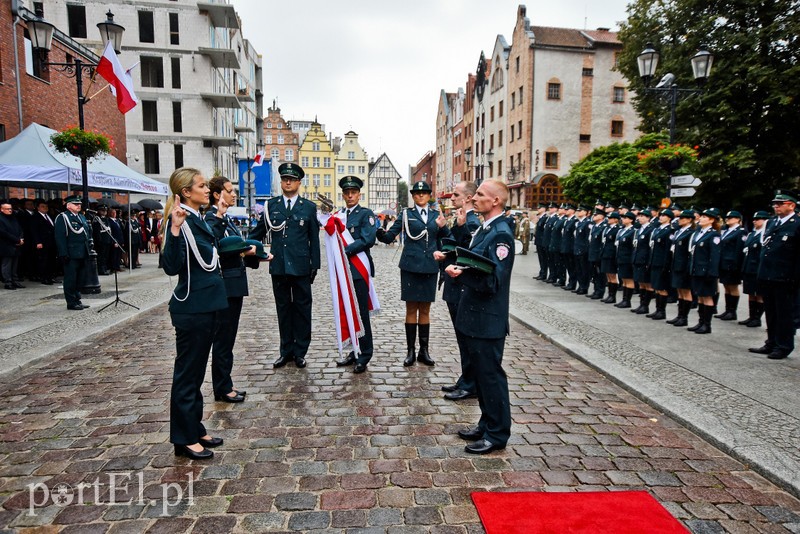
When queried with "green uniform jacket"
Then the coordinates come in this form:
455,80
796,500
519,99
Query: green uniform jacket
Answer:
295,249
68,243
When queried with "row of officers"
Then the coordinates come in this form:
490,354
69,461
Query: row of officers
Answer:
683,255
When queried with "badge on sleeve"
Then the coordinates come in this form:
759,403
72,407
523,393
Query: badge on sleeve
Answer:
372,221
501,251
716,241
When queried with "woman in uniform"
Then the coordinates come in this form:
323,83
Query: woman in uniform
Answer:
681,280
752,259
608,258
189,252
625,259
731,257
641,262
660,244
422,229
704,248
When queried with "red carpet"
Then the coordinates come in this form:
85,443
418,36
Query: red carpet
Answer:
610,512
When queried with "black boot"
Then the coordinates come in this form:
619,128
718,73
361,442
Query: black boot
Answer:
644,303
701,311
424,335
731,303
758,310
411,340
683,313
661,308
751,306
612,294
706,327
627,293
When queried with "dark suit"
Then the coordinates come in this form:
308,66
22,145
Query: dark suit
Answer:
595,255
482,319
624,242
681,258
751,261
778,276
556,236
43,233
11,235
101,234
660,259
641,254
548,237
541,245
568,248
580,249
115,252
193,309
608,256
296,256
134,240
731,255
704,248
72,234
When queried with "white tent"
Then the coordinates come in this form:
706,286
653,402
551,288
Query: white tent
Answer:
29,160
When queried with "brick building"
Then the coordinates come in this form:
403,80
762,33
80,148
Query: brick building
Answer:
281,143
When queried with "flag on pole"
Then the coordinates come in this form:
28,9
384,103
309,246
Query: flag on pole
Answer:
110,68
258,160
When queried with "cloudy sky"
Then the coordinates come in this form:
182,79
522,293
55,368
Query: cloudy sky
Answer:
377,67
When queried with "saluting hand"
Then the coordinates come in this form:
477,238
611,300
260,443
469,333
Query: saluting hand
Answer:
461,217
440,221
222,207
178,216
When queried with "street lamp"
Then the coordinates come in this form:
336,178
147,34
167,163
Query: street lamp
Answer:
468,159
41,33
667,87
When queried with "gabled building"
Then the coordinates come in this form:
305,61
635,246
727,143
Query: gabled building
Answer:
281,143
316,158
383,178
444,143
351,160
495,98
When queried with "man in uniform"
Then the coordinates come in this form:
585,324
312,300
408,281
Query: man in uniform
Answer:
558,269
292,223
101,233
778,275
360,222
568,247
596,228
538,240
73,236
524,232
583,272
485,296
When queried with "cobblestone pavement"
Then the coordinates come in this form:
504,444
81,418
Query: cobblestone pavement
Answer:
322,450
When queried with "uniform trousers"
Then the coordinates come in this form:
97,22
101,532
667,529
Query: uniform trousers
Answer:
74,272
569,267
222,349
293,305
598,278
779,300
194,335
541,251
583,273
45,263
466,381
492,387
364,342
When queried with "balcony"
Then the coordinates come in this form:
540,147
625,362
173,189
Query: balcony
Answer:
217,141
221,15
226,100
243,128
221,58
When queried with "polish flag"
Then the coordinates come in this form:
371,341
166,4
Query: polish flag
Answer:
110,68
258,160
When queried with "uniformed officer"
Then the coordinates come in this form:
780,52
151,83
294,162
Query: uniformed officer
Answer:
681,280
538,240
292,224
596,230
624,242
133,235
73,242
583,273
524,232
552,217
779,274
423,229
730,263
752,259
568,247
559,270
360,222
641,260
101,233
483,318
608,256
704,248
660,260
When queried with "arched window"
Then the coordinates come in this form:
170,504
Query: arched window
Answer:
497,79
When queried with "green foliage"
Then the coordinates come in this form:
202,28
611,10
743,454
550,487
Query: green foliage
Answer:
81,142
747,121
402,195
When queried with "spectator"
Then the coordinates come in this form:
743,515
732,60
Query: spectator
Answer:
11,242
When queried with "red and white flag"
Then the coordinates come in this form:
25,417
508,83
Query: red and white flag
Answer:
258,160
111,69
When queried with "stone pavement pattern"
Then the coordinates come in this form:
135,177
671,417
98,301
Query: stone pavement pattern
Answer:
322,450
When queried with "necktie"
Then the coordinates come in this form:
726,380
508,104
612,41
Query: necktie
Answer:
424,215
289,204
348,213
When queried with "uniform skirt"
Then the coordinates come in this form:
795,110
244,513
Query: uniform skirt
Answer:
750,284
730,278
681,280
641,274
704,286
417,287
608,266
625,270
660,279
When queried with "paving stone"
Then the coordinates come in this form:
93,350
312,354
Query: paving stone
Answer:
295,501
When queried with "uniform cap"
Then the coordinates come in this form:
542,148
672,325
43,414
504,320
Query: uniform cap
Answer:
291,170
449,245
599,212
541,205
623,205
629,215
785,195
666,213
261,253
468,258
583,207
761,214
675,206
569,206
599,202
646,213
687,214
711,212
231,245
636,207
421,187
731,214
610,205
613,215
552,205
351,182
73,199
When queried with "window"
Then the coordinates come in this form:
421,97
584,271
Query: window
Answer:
280,139
588,72
351,169
304,161
315,162
617,128
326,162
177,117
519,130
327,180
33,61
268,139
316,180
340,169
151,165
288,154
491,142
146,31
351,155
500,138
500,169
517,63
304,181
585,138
520,96
511,139
315,146
362,169
152,72
491,114
175,62
174,34
500,110
513,100
76,20
2,132
275,153
551,160
554,91
269,125
149,116
178,156
619,94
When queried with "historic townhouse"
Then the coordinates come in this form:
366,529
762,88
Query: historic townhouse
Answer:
316,157
351,160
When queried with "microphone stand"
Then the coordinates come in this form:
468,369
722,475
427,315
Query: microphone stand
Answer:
116,300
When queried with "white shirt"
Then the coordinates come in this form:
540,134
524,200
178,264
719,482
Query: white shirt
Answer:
287,199
488,222
423,212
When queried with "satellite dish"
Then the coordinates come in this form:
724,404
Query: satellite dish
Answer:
666,81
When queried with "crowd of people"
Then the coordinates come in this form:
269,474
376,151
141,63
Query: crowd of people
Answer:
609,253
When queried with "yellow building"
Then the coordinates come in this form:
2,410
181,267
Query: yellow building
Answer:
317,158
352,161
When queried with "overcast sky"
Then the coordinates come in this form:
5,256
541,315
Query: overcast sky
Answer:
377,67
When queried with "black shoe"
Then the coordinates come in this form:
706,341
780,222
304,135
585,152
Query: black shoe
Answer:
211,443
483,446
460,394
76,307
568,288
299,362
359,368
595,296
10,286
540,277
681,321
704,329
411,357
47,282
82,305
727,316
424,357
448,389
18,285
582,292
241,392
766,349
183,450
350,360
280,362
471,434
778,355
227,398
659,315
753,323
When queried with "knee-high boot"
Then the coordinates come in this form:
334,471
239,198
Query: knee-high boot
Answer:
661,308
731,303
411,340
612,294
627,294
701,312
424,336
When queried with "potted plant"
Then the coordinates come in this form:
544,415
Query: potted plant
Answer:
81,143
667,157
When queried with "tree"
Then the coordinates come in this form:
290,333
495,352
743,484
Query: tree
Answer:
402,195
747,121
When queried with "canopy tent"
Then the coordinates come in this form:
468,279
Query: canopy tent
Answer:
29,160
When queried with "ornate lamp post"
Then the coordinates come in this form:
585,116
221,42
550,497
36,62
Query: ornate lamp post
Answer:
489,157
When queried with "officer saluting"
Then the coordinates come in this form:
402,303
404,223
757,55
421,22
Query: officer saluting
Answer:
778,275
360,222
292,222
73,235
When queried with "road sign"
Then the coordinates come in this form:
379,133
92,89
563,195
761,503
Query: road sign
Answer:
686,180
683,192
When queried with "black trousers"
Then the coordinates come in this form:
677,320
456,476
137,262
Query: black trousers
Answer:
8,267
492,383
293,304
555,266
74,274
598,278
467,379
103,253
583,271
45,263
541,251
569,267
194,334
779,299
225,330
365,342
